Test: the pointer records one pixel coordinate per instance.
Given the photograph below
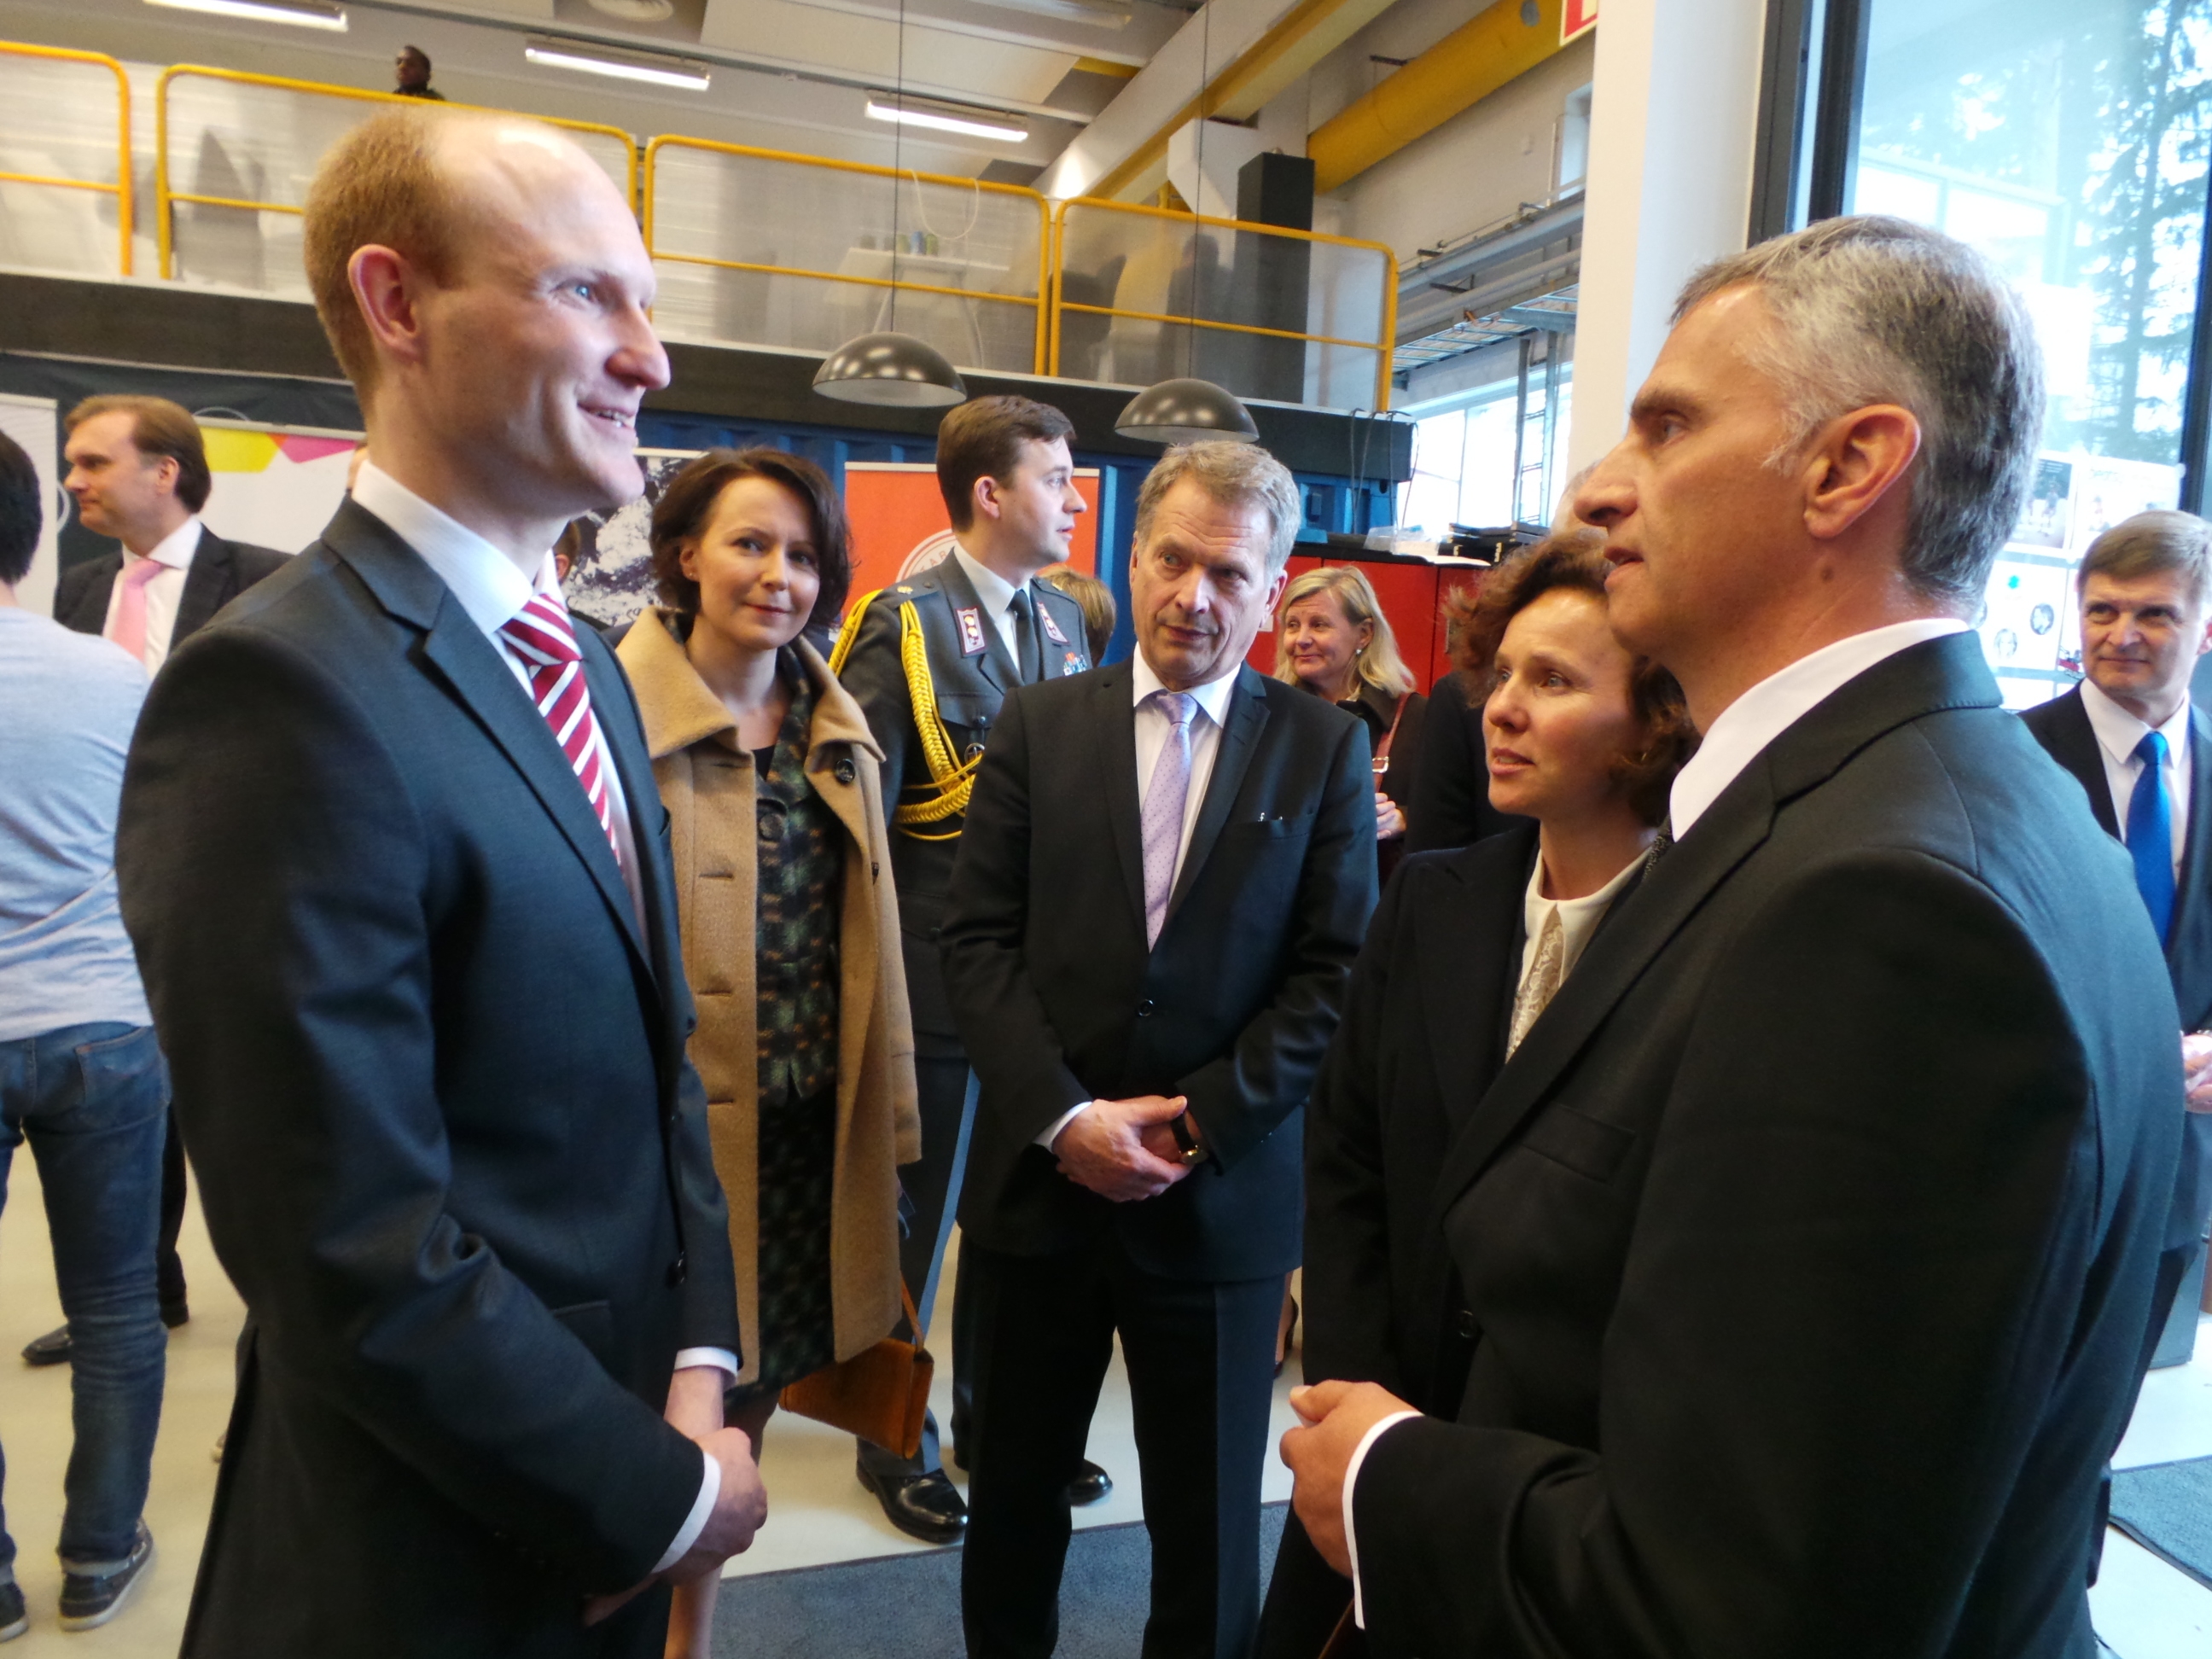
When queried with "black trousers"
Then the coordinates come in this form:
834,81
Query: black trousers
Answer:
947,1116
1201,1357
1307,1598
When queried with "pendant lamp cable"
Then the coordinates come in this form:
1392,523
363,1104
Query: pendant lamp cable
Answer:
1205,67
898,157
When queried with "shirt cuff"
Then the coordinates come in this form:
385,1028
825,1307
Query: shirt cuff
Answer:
1351,1482
710,1489
721,1359
1061,1122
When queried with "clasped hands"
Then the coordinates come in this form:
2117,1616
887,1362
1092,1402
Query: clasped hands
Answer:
1123,1149
2197,1070
1334,1417
695,1407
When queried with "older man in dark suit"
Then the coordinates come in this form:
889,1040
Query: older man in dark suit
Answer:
2143,754
138,471
1167,868
399,880
1806,1241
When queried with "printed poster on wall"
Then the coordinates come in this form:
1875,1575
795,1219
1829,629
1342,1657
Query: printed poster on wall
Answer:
274,486
2030,626
900,528
35,423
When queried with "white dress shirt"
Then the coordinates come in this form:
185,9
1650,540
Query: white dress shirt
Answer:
1739,735
2118,733
491,587
164,592
1152,727
1745,727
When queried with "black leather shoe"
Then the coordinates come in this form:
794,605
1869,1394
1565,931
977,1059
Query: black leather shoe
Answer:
925,1506
174,1313
52,1349
1092,1485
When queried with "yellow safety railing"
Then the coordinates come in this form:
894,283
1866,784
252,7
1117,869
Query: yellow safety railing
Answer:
1387,319
166,198
121,188
1036,303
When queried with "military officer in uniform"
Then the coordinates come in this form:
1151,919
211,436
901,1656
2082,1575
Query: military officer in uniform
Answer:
930,660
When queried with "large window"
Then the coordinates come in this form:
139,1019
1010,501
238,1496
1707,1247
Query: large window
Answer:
2068,140
1489,457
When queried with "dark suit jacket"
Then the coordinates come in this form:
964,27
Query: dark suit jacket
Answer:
220,571
969,688
1060,1001
2062,727
432,1073
1807,1240
1450,804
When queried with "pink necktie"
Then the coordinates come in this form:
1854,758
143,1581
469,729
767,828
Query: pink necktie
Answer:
542,636
128,627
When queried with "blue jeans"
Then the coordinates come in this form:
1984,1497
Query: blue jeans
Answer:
92,1101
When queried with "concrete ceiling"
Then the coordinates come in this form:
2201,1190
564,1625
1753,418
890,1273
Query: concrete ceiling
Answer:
787,74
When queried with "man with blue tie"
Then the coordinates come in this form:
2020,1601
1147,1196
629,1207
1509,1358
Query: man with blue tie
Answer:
2131,738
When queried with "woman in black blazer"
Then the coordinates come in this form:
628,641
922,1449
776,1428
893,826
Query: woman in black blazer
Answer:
1583,740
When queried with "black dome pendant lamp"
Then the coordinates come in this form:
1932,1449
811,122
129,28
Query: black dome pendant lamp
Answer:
1186,410
887,367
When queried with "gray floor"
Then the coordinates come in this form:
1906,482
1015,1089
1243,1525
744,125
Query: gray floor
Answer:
2145,1608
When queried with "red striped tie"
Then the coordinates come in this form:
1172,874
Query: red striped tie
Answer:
542,636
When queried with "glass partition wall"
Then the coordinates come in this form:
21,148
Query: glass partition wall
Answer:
2066,140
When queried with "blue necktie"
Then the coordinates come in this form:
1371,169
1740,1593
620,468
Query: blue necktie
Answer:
2150,833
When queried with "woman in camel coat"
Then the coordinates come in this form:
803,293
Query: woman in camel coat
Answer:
790,925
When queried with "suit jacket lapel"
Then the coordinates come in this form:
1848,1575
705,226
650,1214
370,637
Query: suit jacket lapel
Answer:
480,678
1466,986
209,584
2189,951
996,665
2074,746
1113,727
1937,674
1233,758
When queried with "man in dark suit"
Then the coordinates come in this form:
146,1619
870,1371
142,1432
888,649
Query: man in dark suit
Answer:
1167,868
399,880
1807,1239
138,471
986,625
2145,592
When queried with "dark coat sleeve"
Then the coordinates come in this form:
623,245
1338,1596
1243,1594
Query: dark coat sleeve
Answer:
1348,1293
273,866
1266,1073
1774,1440
81,593
1450,805
1002,1019
874,674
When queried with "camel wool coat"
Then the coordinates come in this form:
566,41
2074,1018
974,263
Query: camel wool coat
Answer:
706,782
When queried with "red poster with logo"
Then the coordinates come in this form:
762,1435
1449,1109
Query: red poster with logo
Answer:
1576,18
900,528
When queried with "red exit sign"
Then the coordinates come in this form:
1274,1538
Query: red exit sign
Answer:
1576,18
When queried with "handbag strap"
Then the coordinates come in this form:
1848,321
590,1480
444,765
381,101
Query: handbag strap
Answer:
1391,736
913,1318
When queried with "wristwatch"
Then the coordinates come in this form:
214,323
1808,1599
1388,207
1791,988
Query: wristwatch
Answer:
1186,1142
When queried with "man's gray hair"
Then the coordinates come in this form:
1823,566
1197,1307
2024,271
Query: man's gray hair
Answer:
1236,475
1876,310
2151,544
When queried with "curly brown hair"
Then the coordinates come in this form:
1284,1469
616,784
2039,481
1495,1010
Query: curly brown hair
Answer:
1575,562
687,505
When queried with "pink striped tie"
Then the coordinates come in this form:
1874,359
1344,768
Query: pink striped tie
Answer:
542,636
127,628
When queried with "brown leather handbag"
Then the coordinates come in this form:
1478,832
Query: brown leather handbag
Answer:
880,1393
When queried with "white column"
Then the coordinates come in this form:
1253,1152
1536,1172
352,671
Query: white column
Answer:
1674,113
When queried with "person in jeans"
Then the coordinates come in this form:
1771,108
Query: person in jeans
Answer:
81,1076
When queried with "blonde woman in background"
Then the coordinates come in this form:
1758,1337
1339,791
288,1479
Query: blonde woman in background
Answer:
1332,638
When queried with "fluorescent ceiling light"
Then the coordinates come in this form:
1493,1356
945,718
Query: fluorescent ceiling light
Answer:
683,72
1105,16
305,13
944,118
